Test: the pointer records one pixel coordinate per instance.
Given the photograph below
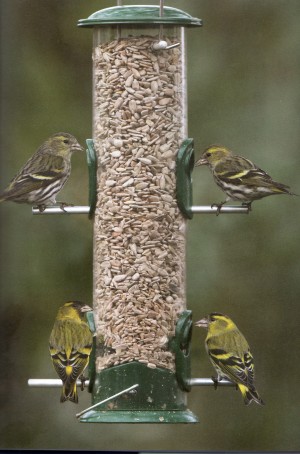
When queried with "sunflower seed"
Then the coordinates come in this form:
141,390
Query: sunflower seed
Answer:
139,239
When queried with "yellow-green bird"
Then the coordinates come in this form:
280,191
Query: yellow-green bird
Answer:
70,346
230,354
44,174
238,177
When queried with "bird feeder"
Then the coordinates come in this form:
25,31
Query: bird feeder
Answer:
140,162
143,328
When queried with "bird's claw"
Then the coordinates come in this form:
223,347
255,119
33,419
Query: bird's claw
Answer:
82,378
65,204
248,205
41,207
216,382
219,206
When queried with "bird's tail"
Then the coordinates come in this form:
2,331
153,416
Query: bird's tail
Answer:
69,392
250,395
280,188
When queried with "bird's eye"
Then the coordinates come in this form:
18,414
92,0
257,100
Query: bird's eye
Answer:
208,154
66,141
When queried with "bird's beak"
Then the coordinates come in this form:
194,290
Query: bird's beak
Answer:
86,308
203,323
201,162
77,147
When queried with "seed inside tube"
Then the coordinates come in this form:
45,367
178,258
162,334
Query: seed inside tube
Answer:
139,247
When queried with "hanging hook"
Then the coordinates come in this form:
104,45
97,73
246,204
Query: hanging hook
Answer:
163,45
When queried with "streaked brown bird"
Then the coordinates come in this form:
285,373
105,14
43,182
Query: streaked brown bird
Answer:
238,177
44,174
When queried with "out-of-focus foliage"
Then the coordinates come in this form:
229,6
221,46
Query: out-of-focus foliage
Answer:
243,90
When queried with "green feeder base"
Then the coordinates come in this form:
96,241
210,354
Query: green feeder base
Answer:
157,399
146,417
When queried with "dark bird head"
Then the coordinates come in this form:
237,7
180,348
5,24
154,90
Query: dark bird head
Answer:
74,310
216,322
212,155
62,144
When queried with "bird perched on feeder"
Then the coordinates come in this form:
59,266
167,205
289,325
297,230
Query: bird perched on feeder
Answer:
230,355
238,177
70,346
45,173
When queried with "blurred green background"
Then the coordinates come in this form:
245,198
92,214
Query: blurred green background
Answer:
243,90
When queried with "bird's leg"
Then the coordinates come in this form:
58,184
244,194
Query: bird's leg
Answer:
82,378
219,206
216,381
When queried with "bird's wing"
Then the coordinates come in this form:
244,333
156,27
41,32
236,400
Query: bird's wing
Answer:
249,365
258,177
237,167
30,180
69,365
234,167
234,359
239,170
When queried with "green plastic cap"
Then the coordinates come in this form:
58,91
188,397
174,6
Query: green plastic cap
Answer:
135,14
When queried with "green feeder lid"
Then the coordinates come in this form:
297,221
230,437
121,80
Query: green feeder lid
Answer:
135,14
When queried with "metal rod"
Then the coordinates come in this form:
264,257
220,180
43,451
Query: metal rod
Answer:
106,400
161,13
119,3
49,382
85,210
208,382
59,210
224,210
56,383
161,8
